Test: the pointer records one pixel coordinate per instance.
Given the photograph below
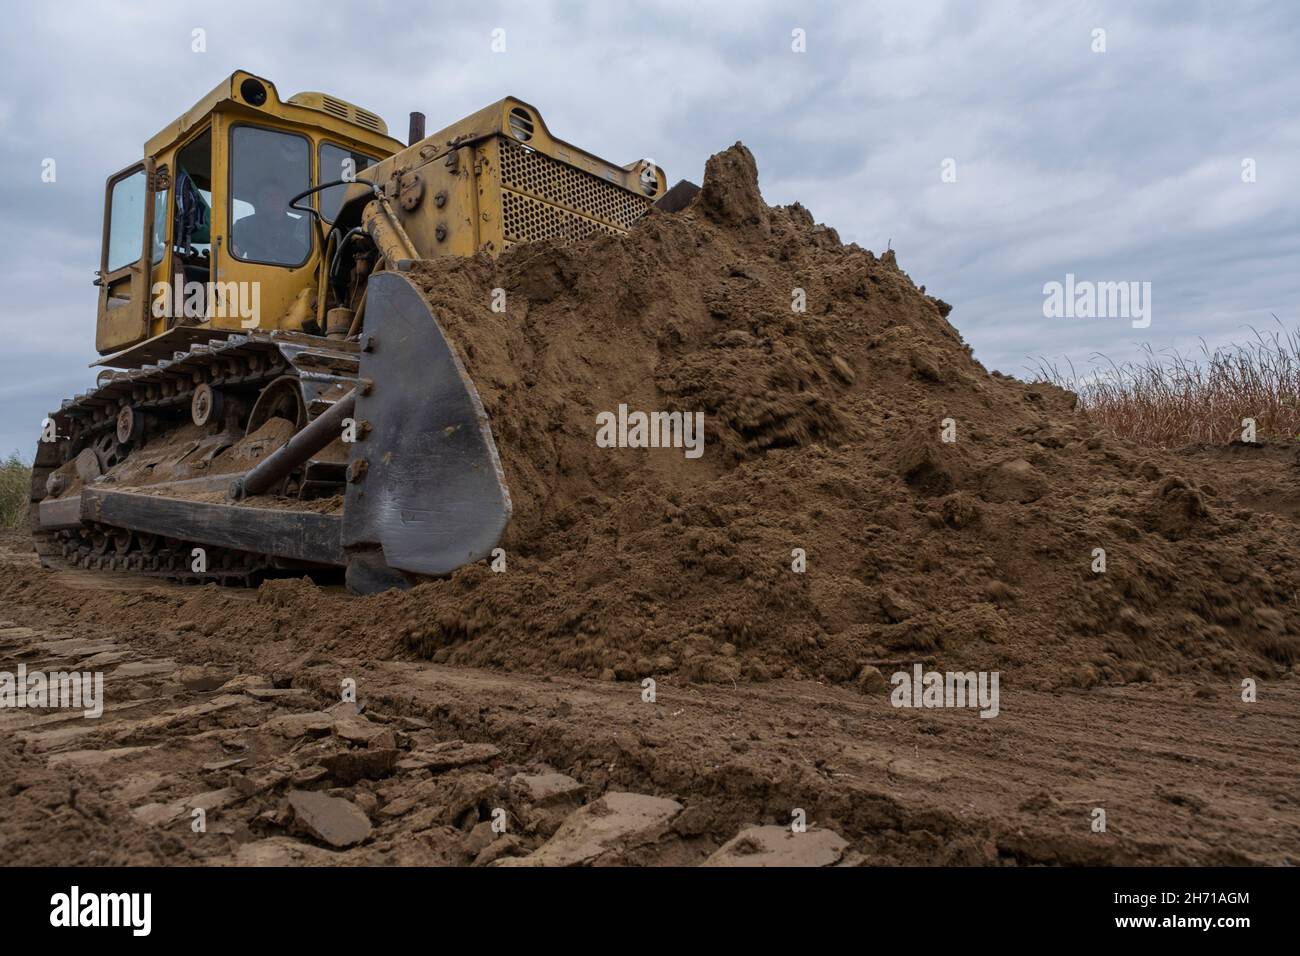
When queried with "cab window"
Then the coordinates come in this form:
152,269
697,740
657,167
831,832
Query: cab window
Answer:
193,207
192,210
267,169
338,163
126,221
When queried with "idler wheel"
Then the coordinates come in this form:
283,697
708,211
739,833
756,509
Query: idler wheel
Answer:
130,426
205,405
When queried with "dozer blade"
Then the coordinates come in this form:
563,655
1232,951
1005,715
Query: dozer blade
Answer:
425,483
677,198
424,493
298,535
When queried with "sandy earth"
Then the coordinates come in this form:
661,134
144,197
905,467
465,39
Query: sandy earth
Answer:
968,545
950,516
585,771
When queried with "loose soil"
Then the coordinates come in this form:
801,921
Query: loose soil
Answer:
195,717
826,435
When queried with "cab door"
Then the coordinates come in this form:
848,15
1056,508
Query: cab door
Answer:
265,253
127,258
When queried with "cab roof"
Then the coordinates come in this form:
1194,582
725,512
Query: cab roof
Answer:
245,93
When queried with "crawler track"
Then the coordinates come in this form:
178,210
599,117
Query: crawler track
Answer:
105,548
247,379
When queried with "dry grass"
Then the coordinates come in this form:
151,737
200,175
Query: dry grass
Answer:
1168,400
15,489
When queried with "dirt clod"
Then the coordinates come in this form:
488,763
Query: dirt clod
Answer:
332,820
779,846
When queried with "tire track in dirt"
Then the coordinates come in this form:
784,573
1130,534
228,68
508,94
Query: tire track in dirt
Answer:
435,754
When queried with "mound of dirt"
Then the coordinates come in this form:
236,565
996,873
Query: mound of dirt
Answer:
941,512
867,494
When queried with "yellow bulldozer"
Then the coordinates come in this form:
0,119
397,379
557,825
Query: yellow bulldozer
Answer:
275,393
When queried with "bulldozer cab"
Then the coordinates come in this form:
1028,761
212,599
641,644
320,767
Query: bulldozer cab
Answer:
199,237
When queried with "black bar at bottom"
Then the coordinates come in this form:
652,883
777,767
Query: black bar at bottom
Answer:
954,909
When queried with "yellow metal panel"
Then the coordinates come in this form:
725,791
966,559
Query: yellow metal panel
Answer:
503,178
309,111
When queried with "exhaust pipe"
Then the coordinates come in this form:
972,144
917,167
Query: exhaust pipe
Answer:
416,131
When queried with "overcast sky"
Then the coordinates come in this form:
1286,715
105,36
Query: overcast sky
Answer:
1122,165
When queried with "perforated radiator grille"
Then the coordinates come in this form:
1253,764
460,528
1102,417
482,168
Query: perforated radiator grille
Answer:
543,198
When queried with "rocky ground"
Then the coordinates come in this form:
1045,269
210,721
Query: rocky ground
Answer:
441,765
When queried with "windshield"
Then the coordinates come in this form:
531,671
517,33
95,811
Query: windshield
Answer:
268,168
338,163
